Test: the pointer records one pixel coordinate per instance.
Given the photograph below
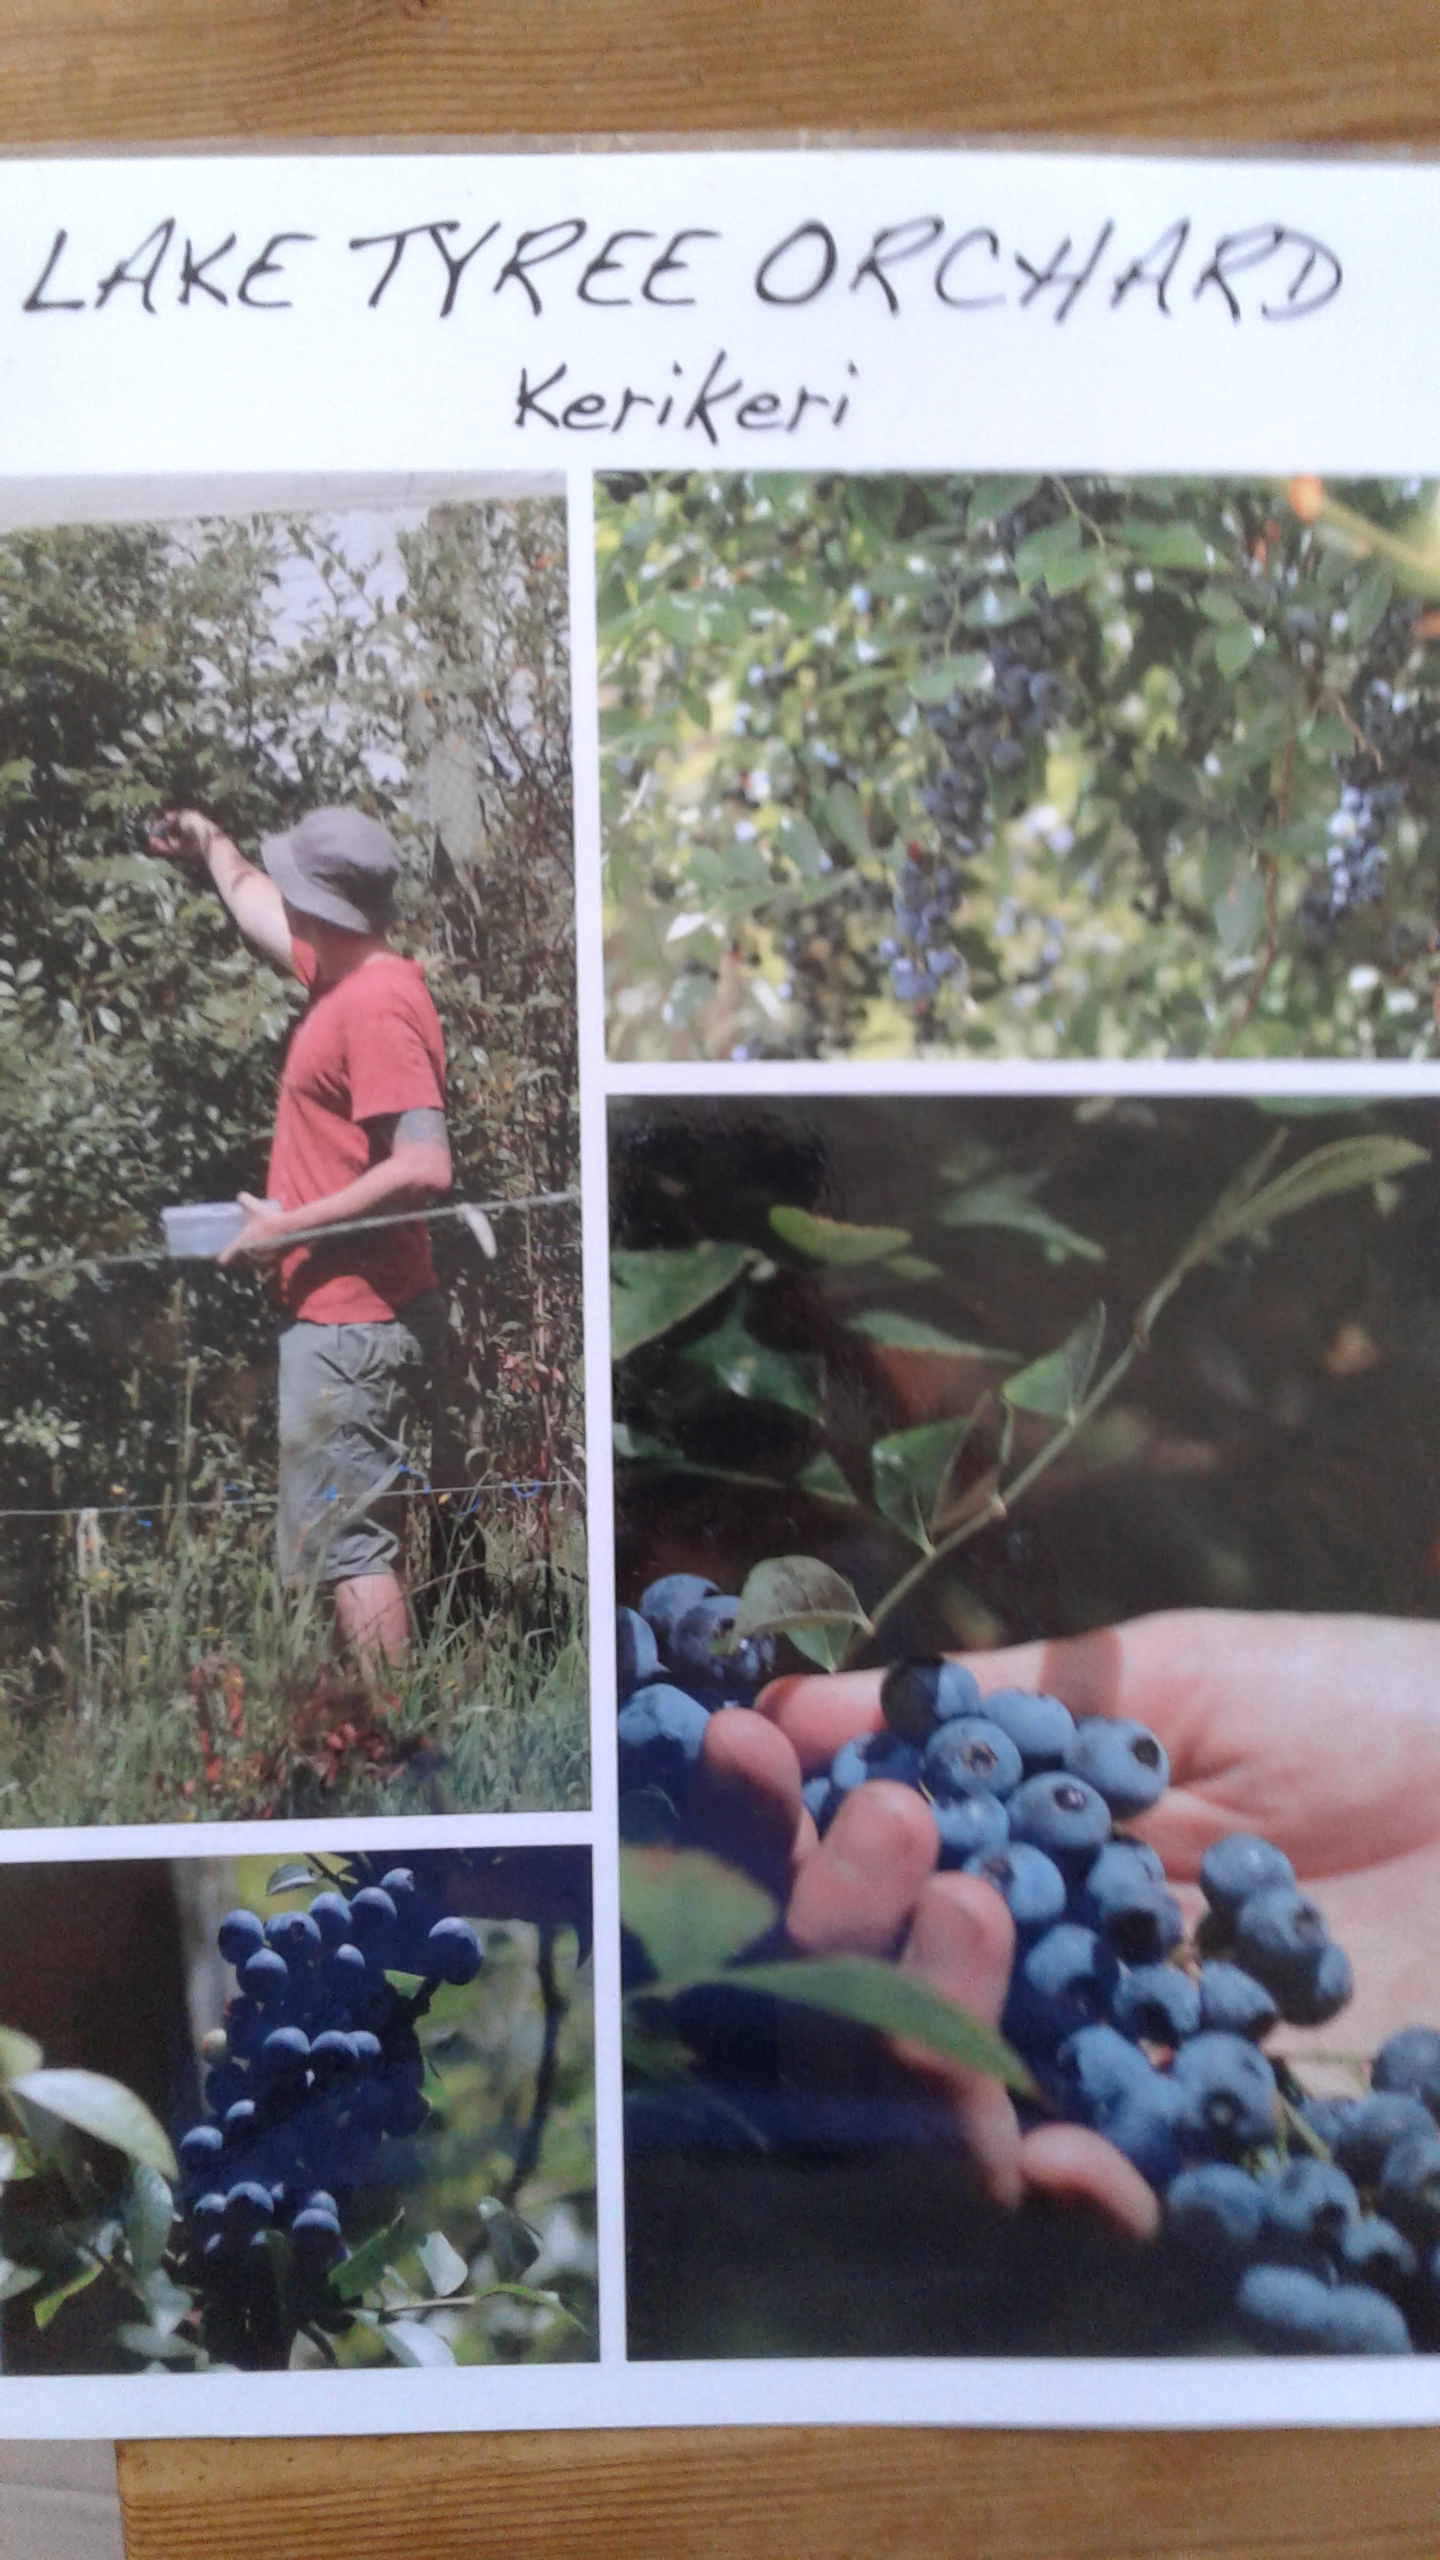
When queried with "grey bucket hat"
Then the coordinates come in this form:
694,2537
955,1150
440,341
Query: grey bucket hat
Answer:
337,864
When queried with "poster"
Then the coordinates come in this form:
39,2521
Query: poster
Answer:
719,875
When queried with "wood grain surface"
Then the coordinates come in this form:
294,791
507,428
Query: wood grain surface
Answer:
128,72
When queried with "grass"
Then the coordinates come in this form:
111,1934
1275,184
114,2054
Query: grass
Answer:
186,1684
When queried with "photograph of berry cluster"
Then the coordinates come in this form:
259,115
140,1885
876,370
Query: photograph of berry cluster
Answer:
1023,1509
1033,766
332,2113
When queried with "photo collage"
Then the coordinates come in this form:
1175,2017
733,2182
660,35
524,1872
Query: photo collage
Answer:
719,1346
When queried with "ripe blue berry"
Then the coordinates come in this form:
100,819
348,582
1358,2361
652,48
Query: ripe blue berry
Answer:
1229,2090
1122,1760
331,1915
1408,2191
1371,2128
1292,2312
1061,1815
1410,2062
1216,2212
716,1677
970,1752
239,1935
660,1734
666,1601
453,1951
917,1696
1280,1936
1156,2004
1309,2205
1234,2003
637,1655
970,1826
1239,1865
1040,1727
874,1755
1030,1884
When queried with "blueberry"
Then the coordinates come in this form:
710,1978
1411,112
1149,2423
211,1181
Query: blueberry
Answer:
874,1755
453,1951
970,1826
1309,2205
1029,1883
1149,2126
240,1934
284,2056
295,1936
1229,2090
1140,1919
1327,2118
637,1655
1239,1865
264,1976
249,2207
242,2123
1373,2252
660,1735
1410,2062
399,1883
1061,1815
208,2210
1097,2067
1122,1862
916,1696
716,1677
1062,1983
1409,2187
1215,2212
1292,2312
1234,2003
970,1752
331,1915
1370,2131
333,2058
200,2149
316,2237
664,1602
820,1801
1122,1760
1156,2004
1040,1727
1280,1936
347,1974
374,1923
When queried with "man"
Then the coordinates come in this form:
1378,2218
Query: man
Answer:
359,1133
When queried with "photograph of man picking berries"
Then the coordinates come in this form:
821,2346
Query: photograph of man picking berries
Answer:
1028,1550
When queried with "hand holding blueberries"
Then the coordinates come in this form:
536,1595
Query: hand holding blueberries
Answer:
957,1817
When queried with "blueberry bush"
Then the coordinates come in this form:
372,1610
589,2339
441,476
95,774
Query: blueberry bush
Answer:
393,2158
1028,766
416,664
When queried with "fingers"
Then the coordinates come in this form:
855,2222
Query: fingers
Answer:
857,1893
818,1713
1073,2166
962,1944
745,1797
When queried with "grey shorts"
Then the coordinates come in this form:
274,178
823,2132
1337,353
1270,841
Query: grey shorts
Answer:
354,1399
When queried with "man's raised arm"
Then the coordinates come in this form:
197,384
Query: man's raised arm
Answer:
183,835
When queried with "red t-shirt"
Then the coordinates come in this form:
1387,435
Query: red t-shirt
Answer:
366,1047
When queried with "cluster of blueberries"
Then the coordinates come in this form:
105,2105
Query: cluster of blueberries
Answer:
1357,863
920,951
1313,2223
317,2061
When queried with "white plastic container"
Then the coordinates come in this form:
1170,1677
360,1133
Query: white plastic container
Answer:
197,1232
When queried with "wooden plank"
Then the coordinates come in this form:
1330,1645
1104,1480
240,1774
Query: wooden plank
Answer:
184,70
790,2493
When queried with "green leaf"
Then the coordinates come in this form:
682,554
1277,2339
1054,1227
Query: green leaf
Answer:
750,1369
103,2108
1240,914
786,1592
995,497
366,2265
1054,544
14,2279
18,2054
690,1912
828,1240
140,2338
1167,546
443,2265
1057,1385
1368,604
149,2213
1234,649
825,1481
652,1292
908,1469
513,2243
295,1873
796,838
907,1333
846,819
1007,1201
411,2342
880,1995
1219,605
43,2312
1064,576
1348,1164
825,1646
969,672
913,1266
